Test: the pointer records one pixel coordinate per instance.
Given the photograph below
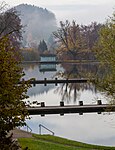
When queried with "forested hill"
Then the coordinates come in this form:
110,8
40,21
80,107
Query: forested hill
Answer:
39,23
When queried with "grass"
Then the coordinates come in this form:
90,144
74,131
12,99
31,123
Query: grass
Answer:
48,142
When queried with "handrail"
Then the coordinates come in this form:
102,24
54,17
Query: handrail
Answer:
28,128
40,125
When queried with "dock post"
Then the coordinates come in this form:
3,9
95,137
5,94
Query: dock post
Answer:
62,114
80,104
45,81
61,103
42,104
34,82
99,102
55,81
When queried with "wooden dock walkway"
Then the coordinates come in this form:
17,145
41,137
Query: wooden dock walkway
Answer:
43,110
56,81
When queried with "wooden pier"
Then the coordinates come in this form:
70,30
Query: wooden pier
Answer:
56,81
43,110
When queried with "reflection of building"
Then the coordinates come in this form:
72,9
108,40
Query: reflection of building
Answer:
49,64
47,67
47,58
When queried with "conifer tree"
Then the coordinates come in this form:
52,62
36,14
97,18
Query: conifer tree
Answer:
42,46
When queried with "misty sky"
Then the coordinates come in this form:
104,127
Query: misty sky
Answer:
83,11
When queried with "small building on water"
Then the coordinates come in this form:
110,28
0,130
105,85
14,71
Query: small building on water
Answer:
47,58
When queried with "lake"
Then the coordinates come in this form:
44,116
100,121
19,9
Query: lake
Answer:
91,128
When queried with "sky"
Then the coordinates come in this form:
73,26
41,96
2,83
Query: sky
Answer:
82,11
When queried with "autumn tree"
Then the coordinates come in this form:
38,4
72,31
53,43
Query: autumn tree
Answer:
69,38
105,52
12,107
91,33
75,41
10,25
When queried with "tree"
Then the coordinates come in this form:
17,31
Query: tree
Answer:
70,39
10,25
42,46
91,33
75,41
12,107
105,52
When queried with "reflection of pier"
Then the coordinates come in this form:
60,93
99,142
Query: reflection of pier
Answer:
64,62
71,109
56,81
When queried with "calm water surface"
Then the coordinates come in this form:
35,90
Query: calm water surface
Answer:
90,128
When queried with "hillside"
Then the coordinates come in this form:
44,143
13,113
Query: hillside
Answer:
49,142
38,23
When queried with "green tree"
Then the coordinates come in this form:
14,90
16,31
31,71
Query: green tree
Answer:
105,52
42,47
12,108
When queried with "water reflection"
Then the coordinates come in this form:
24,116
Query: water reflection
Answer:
71,92
47,67
79,70
89,128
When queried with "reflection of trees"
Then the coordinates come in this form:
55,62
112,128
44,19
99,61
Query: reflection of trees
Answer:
71,71
105,82
80,70
30,66
72,91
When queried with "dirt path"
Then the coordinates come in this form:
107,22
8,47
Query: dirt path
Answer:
17,133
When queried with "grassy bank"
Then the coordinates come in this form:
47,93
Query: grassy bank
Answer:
48,142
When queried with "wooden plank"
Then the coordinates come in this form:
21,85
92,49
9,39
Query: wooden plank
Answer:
70,109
